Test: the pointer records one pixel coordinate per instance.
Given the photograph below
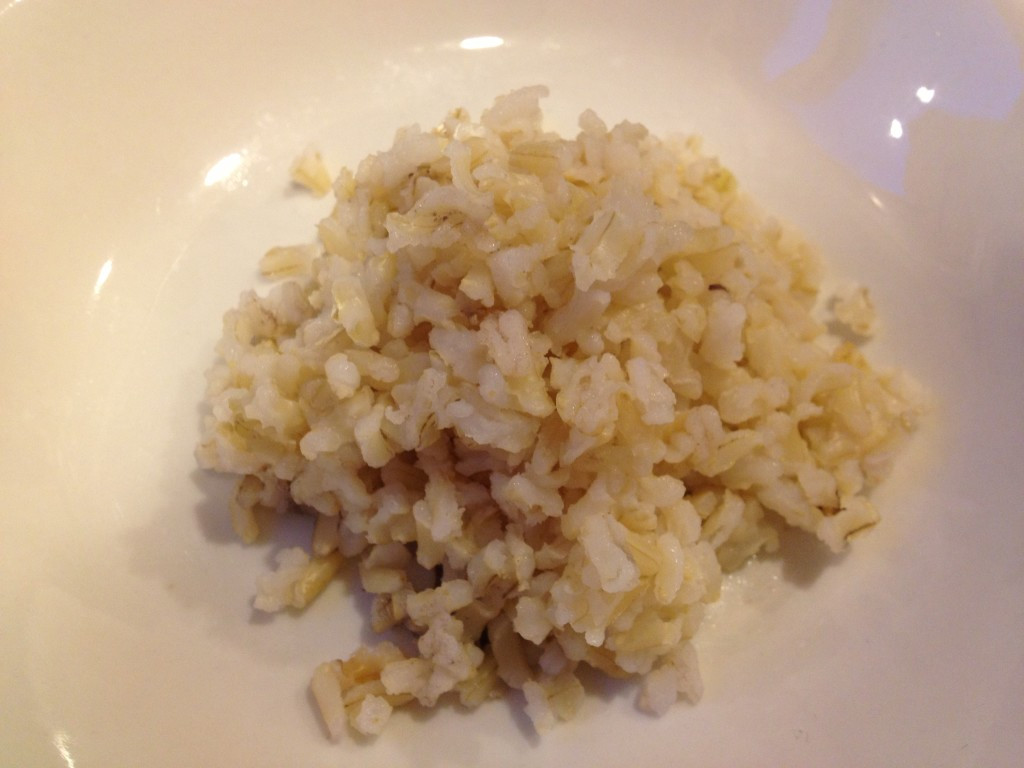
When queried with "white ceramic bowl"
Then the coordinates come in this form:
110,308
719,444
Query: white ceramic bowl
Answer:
144,155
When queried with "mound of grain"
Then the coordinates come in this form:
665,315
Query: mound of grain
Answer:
543,391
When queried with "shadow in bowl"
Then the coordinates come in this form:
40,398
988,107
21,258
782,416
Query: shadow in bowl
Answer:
803,558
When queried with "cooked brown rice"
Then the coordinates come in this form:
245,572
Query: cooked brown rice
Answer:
543,392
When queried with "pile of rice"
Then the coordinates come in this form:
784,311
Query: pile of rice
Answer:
543,391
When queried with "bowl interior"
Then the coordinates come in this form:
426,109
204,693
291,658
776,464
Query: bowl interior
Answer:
146,171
